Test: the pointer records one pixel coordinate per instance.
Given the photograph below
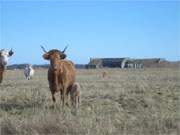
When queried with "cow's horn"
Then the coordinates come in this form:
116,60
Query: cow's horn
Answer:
65,49
11,52
43,49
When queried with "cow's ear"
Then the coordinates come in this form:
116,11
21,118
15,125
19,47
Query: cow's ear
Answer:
63,56
11,53
46,56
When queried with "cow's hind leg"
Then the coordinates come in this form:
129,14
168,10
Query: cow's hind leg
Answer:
68,98
62,97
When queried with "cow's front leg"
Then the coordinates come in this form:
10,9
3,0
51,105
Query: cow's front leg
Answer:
53,97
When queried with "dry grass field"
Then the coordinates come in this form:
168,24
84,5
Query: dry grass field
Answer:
125,102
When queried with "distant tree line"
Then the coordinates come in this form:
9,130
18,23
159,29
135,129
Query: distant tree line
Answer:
46,66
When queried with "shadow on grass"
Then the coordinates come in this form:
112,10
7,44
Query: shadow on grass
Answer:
8,106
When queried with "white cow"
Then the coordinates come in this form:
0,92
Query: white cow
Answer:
4,57
28,71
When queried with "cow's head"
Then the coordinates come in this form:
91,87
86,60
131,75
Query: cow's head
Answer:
4,56
54,54
28,66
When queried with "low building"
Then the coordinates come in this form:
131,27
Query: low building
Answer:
124,62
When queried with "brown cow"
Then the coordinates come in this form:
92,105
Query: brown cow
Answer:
61,73
4,56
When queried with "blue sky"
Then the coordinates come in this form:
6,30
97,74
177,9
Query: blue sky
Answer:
141,29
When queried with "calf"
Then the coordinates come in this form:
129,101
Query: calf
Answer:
75,94
4,57
61,73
